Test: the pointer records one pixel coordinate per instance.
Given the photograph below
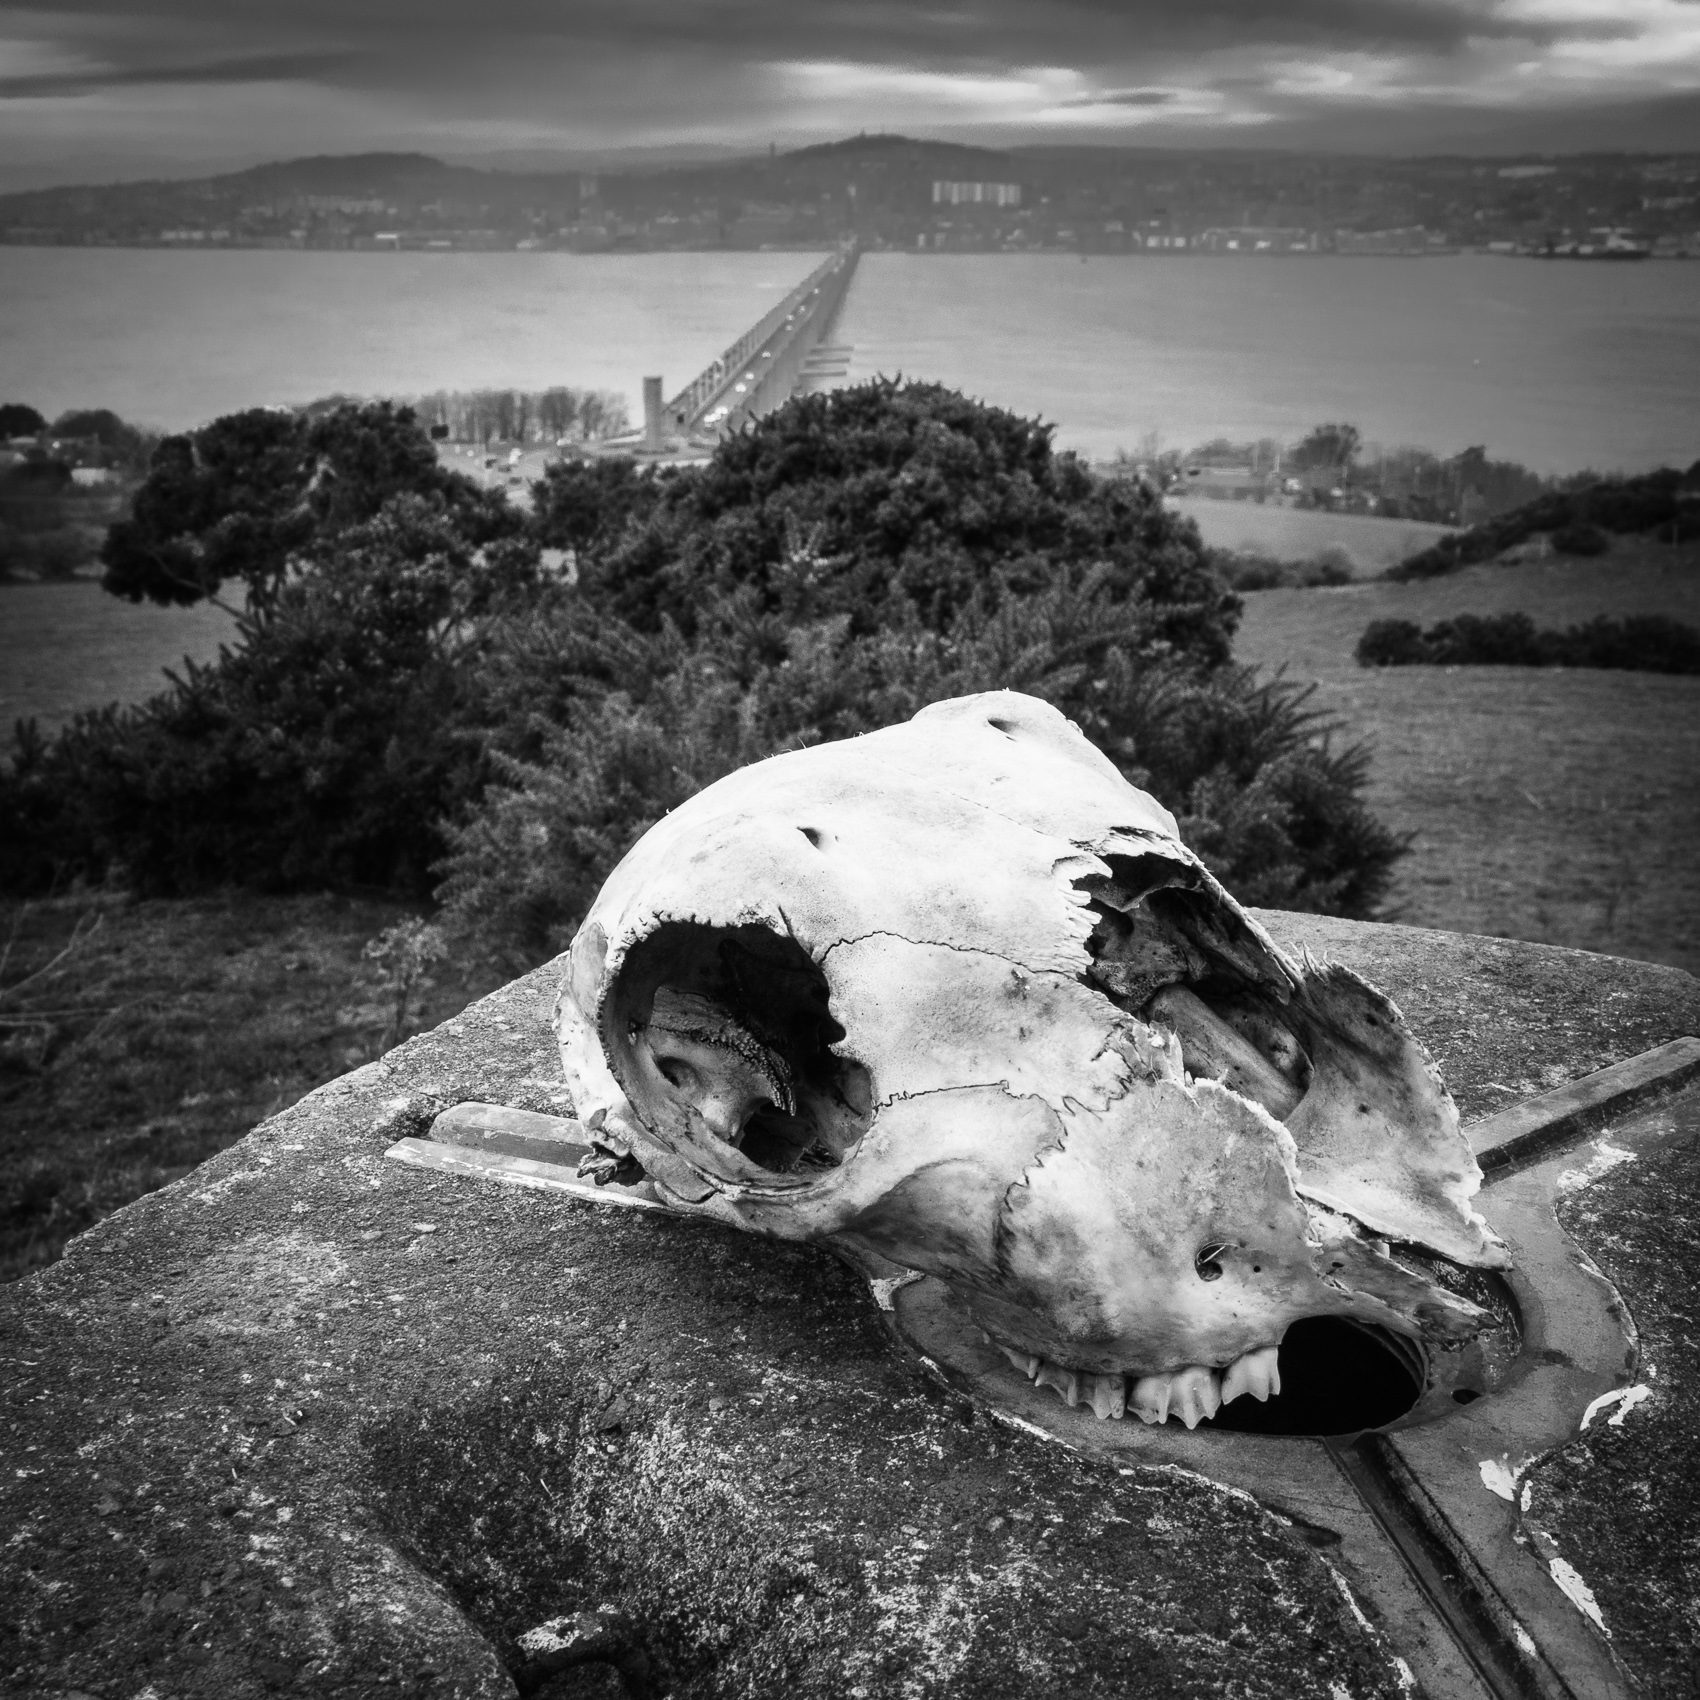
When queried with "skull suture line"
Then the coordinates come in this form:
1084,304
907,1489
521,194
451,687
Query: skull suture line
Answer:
955,992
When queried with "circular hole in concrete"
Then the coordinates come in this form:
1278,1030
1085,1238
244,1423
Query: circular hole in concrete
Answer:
1337,1377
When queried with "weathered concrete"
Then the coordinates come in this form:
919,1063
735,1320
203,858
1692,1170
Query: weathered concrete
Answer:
310,1421
1620,1506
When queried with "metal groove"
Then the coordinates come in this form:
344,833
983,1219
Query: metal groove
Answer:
1451,1584
1530,1131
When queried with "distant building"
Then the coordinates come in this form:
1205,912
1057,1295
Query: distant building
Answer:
976,194
1405,239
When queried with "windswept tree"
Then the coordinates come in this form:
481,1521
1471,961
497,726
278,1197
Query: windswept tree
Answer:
19,420
246,497
1329,446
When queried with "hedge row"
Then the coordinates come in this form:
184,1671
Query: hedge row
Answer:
1666,502
1645,643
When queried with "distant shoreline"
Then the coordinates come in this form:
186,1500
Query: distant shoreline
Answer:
821,247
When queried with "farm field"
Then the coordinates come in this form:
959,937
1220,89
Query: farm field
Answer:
69,646
1544,804
1300,534
137,1039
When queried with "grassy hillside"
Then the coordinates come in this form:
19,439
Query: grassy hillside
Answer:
69,646
1543,804
1298,534
138,1039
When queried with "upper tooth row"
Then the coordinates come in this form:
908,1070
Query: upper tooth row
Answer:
1192,1394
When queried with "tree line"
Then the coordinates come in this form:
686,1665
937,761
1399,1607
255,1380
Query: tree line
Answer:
514,416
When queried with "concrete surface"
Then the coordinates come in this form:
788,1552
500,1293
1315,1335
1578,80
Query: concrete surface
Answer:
308,1422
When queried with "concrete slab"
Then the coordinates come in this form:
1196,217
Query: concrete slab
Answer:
312,1422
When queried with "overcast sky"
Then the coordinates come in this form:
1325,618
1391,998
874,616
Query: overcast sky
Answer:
107,88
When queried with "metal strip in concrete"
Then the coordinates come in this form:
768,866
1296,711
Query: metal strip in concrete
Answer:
1526,1131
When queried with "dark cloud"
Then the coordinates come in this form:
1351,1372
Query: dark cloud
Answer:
1126,97
962,32
469,75
255,68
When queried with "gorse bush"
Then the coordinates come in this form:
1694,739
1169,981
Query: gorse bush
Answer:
1248,767
411,698
879,502
1646,643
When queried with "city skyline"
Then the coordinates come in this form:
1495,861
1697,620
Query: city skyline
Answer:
107,89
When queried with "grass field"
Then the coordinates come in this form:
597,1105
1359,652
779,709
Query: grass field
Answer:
1542,804
1300,534
138,1039
68,646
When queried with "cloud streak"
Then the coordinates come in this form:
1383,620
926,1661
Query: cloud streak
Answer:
256,68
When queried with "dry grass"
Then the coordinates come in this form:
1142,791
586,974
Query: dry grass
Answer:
138,1039
1542,804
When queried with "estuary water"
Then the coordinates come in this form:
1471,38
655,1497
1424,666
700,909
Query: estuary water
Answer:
1557,364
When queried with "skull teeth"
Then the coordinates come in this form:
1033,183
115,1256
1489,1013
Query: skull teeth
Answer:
1257,1373
1192,1394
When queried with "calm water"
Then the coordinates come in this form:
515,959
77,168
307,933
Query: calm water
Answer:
171,338
1557,365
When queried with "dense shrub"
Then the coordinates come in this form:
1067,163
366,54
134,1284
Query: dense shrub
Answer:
246,496
879,501
1648,643
1580,538
652,716
322,750
1663,502
1245,569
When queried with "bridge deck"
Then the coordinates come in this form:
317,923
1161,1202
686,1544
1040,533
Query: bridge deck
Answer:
766,365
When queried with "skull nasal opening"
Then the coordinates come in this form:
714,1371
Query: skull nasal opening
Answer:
722,1037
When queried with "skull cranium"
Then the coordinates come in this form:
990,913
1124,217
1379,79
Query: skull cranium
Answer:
955,993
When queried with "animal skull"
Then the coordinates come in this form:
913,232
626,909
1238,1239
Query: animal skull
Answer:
956,993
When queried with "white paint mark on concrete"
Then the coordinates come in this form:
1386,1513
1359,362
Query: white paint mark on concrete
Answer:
1631,1399
1525,1641
1499,1477
1577,1592
1351,1601
1606,1158
1625,1398
883,1286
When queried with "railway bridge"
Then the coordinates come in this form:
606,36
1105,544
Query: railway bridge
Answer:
784,352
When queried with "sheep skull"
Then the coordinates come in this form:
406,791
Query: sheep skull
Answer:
956,993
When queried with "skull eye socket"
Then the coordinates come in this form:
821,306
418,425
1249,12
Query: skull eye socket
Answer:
1168,953
728,1033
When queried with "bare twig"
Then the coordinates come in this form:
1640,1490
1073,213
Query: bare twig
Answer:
80,935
